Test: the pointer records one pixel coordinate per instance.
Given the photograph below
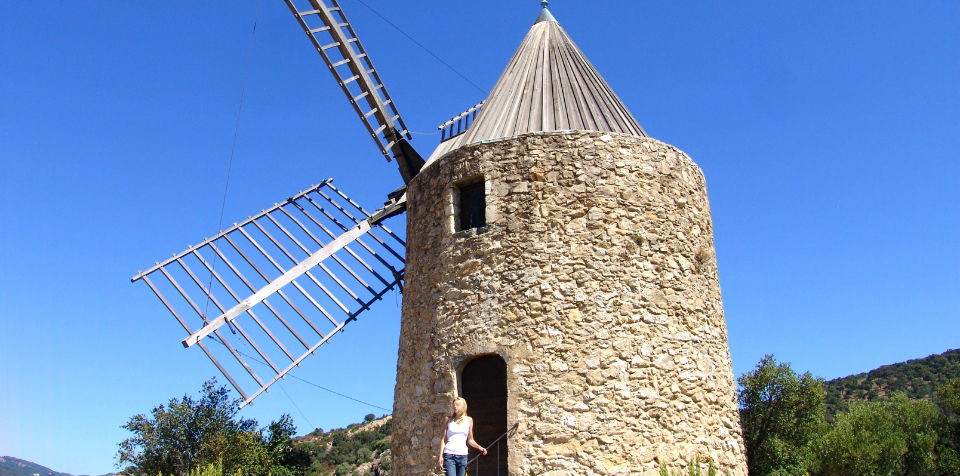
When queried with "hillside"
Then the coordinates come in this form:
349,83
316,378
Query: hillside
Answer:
359,449
10,466
918,378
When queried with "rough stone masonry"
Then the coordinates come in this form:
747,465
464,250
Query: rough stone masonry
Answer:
595,280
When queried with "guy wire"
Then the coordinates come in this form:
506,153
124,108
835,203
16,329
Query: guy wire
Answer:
233,148
424,48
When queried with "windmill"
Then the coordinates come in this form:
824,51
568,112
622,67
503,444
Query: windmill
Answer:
558,274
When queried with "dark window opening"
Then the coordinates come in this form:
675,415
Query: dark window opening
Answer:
473,206
484,387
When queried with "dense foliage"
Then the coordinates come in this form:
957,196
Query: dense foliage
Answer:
188,434
896,436
785,432
357,449
781,414
917,378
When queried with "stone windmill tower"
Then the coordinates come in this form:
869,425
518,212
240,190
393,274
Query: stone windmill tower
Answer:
558,266
561,277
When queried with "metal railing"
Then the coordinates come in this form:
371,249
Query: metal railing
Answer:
496,442
459,123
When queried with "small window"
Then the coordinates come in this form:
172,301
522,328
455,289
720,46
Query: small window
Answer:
473,205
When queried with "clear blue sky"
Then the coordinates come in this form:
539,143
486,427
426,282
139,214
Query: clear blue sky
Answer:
829,133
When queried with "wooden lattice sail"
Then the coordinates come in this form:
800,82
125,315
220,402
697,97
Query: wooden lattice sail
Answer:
336,41
282,282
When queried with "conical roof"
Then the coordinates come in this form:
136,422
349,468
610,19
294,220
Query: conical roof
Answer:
549,85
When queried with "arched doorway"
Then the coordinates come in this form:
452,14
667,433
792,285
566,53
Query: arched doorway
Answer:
483,384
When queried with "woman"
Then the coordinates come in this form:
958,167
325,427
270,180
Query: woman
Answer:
458,433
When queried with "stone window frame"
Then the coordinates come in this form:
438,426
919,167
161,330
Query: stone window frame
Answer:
452,199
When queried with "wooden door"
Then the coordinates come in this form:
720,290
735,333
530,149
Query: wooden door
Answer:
484,385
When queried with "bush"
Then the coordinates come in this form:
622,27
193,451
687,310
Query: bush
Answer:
343,469
898,436
693,469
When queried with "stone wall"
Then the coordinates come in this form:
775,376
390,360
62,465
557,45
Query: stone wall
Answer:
595,280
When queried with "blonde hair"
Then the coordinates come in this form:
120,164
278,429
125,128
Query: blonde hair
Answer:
454,416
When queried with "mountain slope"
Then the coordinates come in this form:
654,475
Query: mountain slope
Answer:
10,466
361,448
917,378
365,448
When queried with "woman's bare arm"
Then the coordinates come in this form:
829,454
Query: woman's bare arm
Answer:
473,442
443,440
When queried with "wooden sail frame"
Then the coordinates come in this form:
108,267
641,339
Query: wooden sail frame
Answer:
335,40
316,254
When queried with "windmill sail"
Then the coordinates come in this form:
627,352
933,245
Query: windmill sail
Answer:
336,41
281,283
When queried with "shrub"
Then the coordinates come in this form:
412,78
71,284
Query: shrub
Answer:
897,436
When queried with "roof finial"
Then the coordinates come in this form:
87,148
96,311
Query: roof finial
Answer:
545,14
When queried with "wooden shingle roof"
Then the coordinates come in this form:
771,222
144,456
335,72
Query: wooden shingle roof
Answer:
549,85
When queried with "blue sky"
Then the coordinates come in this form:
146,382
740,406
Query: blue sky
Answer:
829,133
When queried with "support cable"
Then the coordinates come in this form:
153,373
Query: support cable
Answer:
418,133
291,375
233,148
340,394
304,415
424,48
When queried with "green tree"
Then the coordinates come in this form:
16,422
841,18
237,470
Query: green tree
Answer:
364,454
890,437
284,456
187,435
948,396
342,469
782,414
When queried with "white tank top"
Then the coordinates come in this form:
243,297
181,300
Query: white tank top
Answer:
457,437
